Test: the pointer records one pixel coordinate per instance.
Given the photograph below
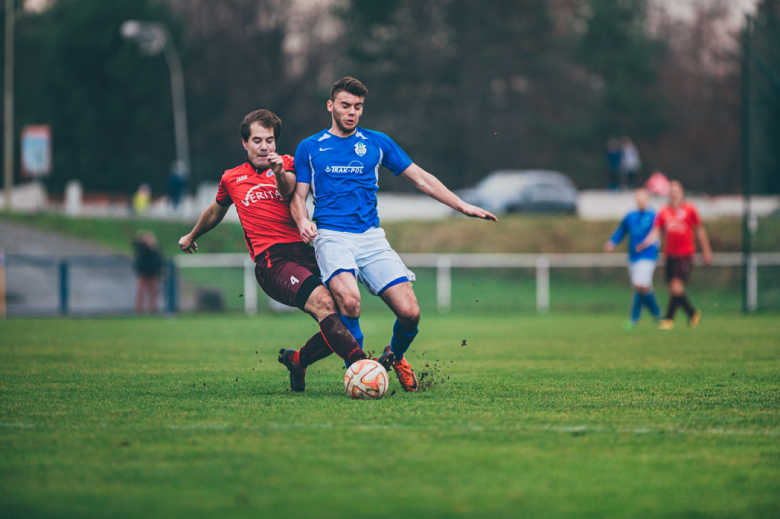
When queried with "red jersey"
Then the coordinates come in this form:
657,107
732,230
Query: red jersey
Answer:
263,211
678,225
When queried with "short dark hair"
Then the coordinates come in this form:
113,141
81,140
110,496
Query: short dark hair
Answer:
349,85
265,118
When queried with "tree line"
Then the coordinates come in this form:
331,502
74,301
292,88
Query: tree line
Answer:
464,86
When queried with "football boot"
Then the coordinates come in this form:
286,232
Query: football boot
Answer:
297,374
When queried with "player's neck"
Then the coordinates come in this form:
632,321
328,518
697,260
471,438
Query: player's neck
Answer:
255,166
338,132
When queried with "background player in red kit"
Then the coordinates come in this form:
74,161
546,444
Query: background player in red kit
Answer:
678,221
285,267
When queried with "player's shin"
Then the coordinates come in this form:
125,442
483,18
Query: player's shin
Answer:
636,307
402,339
315,349
340,340
353,325
652,304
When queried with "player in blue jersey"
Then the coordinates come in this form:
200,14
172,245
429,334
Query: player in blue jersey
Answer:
340,166
641,264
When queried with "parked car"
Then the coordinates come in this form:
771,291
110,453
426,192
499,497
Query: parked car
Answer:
507,191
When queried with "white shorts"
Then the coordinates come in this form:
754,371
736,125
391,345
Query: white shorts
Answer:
641,272
367,255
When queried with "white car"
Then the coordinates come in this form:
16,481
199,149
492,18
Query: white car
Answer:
507,191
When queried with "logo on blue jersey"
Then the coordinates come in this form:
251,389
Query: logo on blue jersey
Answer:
354,167
360,149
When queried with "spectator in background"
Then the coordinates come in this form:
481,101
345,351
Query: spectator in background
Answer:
177,181
614,156
630,163
148,265
142,198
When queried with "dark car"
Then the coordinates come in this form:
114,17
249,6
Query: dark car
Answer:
507,191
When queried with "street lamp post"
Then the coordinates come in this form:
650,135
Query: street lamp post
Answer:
8,105
153,38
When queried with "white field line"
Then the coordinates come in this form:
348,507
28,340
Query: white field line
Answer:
18,425
531,428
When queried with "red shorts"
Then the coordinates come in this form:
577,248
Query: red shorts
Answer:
288,273
678,267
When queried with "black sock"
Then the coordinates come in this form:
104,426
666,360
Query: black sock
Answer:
315,349
671,308
687,306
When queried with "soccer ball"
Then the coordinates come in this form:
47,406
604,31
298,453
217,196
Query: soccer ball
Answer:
366,380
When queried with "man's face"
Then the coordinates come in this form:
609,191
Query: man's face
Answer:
676,193
260,144
346,110
642,197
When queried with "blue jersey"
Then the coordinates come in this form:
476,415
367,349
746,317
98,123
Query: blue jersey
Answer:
637,225
344,175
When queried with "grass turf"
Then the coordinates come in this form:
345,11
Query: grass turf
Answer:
555,416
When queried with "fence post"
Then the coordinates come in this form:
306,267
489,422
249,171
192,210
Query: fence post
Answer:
64,287
444,284
543,284
3,308
172,302
250,287
751,297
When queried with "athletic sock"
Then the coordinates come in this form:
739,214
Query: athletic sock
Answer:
636,306
652,304
672,308
353,325
402,339
687,306
315,349
340,339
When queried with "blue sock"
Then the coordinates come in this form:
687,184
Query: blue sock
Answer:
636,307
402,339
652,304
353,325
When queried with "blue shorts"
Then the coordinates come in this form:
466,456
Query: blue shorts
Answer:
367,255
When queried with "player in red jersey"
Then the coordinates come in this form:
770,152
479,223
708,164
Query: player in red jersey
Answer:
285,267
678,221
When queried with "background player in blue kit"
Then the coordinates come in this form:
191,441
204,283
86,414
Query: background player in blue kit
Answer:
340,166
641,264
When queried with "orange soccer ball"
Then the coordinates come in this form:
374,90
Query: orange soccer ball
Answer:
366,380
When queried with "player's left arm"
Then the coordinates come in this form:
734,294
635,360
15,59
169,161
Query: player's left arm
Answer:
704,241
433,187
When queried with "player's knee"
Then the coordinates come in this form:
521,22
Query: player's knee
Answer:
409,315
350,306
320,303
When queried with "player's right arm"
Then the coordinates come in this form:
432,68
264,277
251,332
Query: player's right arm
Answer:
207,221
300,213
305,176
616,237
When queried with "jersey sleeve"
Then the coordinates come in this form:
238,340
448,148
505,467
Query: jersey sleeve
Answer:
694,220
303,170
223,197
393,157
620,232
289,163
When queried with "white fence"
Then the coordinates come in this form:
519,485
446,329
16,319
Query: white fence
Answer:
444,263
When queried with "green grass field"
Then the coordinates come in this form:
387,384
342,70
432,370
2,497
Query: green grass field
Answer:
558,416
